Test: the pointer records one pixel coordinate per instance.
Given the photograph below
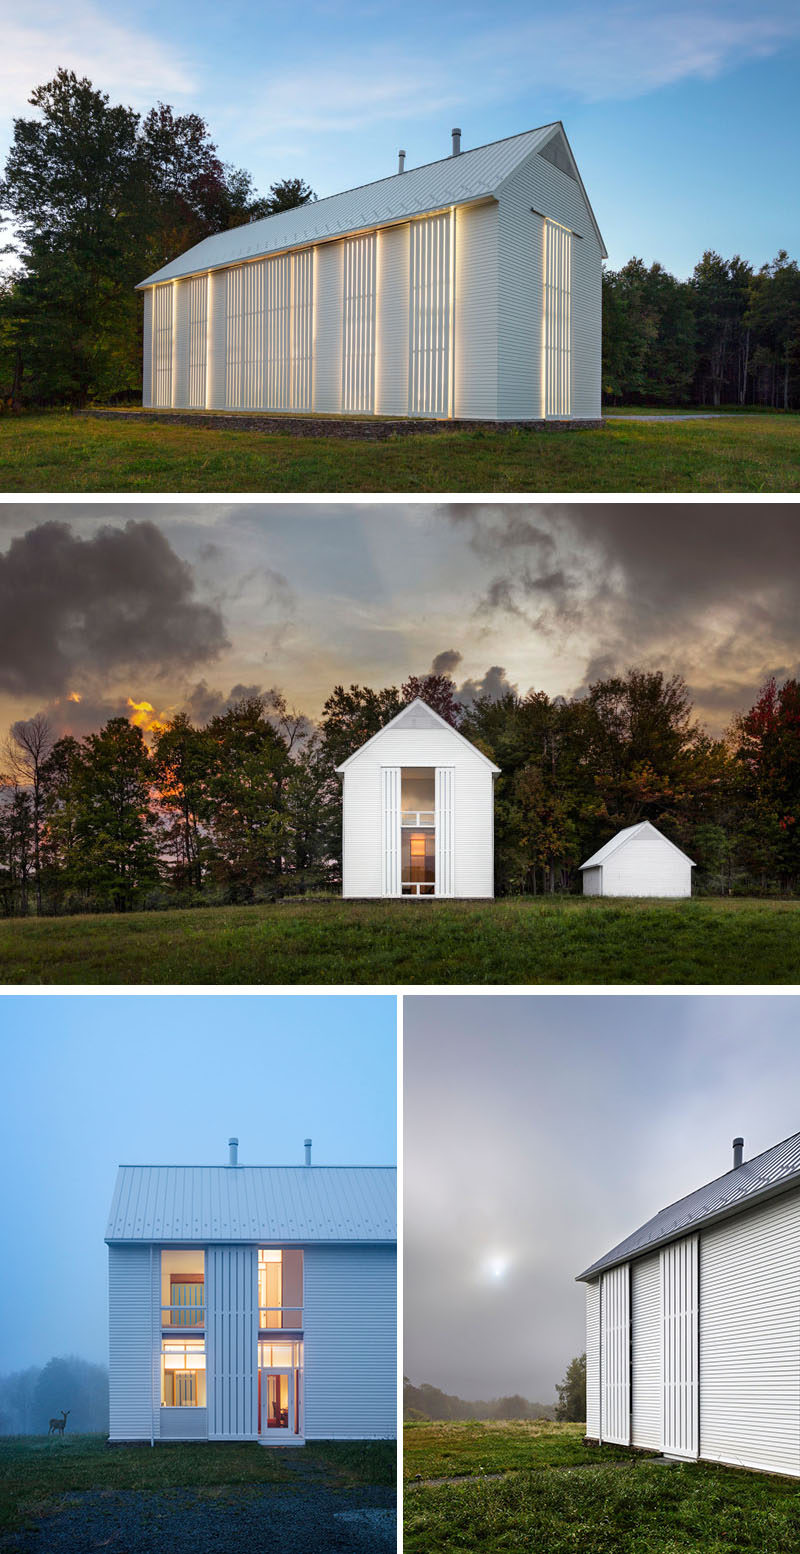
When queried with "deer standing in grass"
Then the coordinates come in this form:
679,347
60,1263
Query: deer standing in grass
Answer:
59,1424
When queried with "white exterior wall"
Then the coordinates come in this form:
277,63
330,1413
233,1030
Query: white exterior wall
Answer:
646,1382
350,1342
592,882
679,1339
391,384
593,1359
475,342
647,868
363,832
217,339
750,1339
231,1342
615,1371
147,348
134,1350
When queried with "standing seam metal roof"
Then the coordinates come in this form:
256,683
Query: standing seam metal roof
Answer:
454,180
762,1177
254,1203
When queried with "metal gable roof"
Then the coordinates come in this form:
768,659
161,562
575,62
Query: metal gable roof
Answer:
432,719
762,1177
454,180
644,828
254,1203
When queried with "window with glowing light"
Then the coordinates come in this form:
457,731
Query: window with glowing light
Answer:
183,1289
417,831
280,1288
183,1373
557,319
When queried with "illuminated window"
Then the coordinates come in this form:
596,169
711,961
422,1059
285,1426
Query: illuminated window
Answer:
183,1373
358,325
270,1288
417,831
557,319
183,1289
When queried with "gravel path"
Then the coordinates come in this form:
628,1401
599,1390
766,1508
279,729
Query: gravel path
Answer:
228,1520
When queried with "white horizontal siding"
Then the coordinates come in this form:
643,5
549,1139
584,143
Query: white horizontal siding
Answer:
476,287
646,1383
328,282
184,1424
231,1342
350,1343
592,882
593,1359
134,1343
615,1375
646,868
391,386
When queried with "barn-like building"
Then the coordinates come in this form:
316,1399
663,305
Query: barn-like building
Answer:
693,1325
466,288
638,861
418,811
252,1303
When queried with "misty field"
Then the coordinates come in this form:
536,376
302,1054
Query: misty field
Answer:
68,1494
522,940
560,1497
55,451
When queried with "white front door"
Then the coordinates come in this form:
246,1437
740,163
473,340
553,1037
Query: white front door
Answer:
277,1412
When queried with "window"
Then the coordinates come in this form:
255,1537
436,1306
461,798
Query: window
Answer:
557,319
183,1373
280,1288
417,831
183,1289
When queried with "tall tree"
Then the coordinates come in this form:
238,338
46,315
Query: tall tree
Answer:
439,691
350,717
29,745
571,1405
116,843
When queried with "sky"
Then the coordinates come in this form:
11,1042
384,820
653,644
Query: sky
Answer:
539,1132
90,1083
681,115
147,609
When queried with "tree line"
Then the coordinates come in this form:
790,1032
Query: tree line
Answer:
428,1402
100,196
248,806
30,1398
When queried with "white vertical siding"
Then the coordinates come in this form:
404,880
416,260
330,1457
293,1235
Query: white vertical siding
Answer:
615,1355
445,827
134,1343
391,380
197,325
350,1342
217,339
476,316
358,325
162,344
147,348
302,330
390,830
750,1339
231,1342
557,319
646,1383
431,320
593,1359
180,343
234,329
679,1311
328,282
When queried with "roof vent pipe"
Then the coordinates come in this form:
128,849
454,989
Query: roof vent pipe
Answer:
307,1143
456,134
233,1151
738,1146
401,161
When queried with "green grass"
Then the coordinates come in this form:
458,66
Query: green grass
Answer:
526,940
586,1501
37,1471
58,452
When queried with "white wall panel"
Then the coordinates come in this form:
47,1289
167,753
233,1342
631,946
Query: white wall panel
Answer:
180,342
303,329
162,344
217,339
391,369
679,1315
358,325
234,325
592,882
197,326
184,1424
431,320
557,319
593,1359
476,313
646,1384
328,283
147,348
134,1343
646,868
231,1342
445,831
390,830
350,1342
615,1355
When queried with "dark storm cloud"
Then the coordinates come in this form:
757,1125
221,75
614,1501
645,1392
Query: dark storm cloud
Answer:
202,703
446,662
120,599
494,684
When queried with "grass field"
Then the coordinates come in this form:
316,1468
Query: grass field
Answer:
526,940
36,1472
558,1497
57,452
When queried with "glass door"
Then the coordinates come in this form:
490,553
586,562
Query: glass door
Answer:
276,1403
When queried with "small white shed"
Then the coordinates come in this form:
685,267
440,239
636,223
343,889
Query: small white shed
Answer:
418,811
639,861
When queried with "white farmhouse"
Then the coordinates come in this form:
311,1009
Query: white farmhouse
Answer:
639,861
692,1332
466,288
418,811
252,1303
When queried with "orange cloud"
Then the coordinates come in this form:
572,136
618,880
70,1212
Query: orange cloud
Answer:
143,715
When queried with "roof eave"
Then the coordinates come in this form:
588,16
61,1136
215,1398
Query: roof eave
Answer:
448,726
556,125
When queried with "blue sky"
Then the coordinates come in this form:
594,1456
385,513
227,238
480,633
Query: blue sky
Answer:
90,1083
681,115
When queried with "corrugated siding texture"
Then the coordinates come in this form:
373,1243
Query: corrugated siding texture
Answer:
162,345
134,1346
180,343
303,330
679,1291
587,327
557,321
217,340
358,324
391,384
646,1385
615,1356
350,1343
430,311
232,1342
328,283
750,1339
234,321
445,831
390,830
184,1424
147,357
593,1359
272,1205
198,342
475,342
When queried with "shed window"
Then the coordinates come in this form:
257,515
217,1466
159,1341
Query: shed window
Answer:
183,1374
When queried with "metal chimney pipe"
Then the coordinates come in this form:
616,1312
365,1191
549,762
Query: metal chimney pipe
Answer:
233,1151
307,1143
401,161
738,1146
456,134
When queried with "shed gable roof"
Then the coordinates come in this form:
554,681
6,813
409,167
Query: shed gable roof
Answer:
641,832
417,715
253,1203
762,1177
453,180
